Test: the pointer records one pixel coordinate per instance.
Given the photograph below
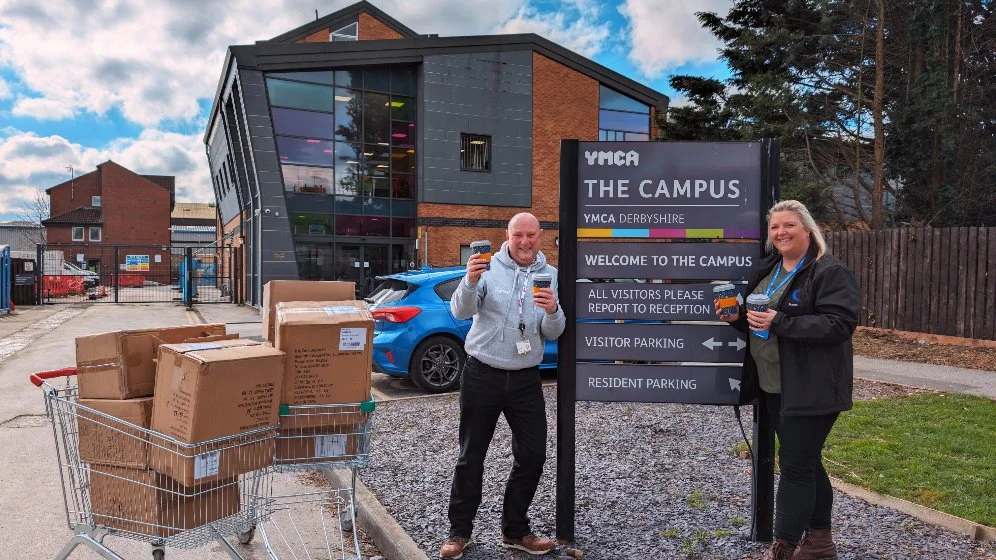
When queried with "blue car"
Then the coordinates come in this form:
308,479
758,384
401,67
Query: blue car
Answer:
416,336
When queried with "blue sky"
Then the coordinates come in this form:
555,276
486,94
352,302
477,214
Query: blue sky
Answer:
133,80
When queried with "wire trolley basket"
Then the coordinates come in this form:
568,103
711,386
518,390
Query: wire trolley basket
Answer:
317,523
121,479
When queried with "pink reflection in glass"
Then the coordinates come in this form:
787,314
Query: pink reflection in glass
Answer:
313,141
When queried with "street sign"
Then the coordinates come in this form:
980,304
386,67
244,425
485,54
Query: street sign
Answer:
670,189
647,302
667,261
660,343
659,383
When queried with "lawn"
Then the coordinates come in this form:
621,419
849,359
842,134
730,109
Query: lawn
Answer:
938,450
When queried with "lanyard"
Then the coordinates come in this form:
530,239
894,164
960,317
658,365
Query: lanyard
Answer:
771,290
522,297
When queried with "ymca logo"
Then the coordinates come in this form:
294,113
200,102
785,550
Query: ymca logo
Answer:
618,157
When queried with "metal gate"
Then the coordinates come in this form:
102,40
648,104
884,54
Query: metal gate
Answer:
75,273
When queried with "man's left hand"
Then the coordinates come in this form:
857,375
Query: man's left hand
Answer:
546,299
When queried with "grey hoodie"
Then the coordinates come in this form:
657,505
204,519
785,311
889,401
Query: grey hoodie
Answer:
494,304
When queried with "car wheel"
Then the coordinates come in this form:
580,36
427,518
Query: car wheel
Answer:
437,364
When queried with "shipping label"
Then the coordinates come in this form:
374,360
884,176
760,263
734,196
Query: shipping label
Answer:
330,446
206,464
352,338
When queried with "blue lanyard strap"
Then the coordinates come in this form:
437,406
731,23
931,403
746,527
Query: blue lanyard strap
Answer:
771,290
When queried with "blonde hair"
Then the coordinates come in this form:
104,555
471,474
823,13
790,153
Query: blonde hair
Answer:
800,210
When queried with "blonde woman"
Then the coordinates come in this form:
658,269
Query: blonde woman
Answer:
800,357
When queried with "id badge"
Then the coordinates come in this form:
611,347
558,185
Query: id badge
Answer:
522,347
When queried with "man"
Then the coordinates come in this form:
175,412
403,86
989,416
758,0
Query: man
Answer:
504,350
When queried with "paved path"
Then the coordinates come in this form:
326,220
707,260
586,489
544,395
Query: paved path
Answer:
928,376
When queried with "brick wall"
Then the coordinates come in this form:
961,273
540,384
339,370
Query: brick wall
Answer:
136,210
565,105
370,28
320,36
73,194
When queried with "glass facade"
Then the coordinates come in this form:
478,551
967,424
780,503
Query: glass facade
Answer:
621,118
346,141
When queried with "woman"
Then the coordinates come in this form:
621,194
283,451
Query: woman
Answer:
800,356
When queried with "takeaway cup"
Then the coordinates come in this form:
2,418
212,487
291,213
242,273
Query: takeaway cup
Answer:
726,295
483,250
541,281
758,302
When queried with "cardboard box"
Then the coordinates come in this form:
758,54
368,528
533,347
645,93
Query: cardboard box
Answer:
104,441
145,502
121,364
211,390
276,291
320,445
329,347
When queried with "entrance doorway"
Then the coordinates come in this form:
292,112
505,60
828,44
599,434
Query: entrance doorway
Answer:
363,263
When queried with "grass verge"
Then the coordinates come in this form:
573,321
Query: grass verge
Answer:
937,450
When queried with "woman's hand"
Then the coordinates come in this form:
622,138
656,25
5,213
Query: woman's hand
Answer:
760,320
727,318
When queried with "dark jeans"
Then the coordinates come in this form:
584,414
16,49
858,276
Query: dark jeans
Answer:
805,497
486,393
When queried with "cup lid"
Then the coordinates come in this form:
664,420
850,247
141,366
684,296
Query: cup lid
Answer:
542,276
758,298
724,288
480,243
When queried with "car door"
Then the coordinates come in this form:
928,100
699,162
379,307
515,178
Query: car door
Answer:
445,291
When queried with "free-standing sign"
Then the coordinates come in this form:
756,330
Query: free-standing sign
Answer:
694,192
670,190
667,261
647,302
660,343
137,263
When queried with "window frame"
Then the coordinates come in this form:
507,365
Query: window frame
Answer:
100,234
96,201
467,139
72,234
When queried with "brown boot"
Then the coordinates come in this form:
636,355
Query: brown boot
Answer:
816,544
453,548
780,550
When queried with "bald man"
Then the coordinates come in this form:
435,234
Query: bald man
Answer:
504,349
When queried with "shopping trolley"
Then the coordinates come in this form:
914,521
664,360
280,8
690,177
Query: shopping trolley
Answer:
112,479
312,439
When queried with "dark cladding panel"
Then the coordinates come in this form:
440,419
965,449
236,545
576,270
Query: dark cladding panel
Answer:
478,93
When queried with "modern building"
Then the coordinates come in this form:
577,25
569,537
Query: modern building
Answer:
22,236
353,146
194,224
111,206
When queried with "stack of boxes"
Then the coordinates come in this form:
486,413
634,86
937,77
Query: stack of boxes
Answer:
193,386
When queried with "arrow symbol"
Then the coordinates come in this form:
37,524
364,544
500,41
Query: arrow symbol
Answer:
734,384
712,344
739,344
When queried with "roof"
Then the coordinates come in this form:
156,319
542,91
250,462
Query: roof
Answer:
422,275
164,181
342,18
271,56
84,215
194,211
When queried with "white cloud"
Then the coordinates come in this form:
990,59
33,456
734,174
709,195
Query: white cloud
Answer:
42,108
4,89
29,162
666,34
578,29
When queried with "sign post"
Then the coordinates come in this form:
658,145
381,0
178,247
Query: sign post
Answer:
691,215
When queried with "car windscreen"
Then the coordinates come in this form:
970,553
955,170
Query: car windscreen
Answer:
389,291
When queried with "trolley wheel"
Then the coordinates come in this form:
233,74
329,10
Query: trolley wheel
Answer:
246,537
346,519
158,554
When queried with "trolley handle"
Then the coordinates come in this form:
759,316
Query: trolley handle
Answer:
38,378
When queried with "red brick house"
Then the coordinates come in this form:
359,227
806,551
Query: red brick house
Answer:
110,206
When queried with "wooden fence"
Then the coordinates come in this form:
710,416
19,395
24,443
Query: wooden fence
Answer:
940,281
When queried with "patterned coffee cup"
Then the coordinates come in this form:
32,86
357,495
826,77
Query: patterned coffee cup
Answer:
726,295
483,251
541,281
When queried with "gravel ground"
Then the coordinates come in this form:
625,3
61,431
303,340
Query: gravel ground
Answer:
653,482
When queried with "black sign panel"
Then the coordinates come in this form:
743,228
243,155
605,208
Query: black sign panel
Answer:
667,261
656,189
24,279
658,383
660,343
648,302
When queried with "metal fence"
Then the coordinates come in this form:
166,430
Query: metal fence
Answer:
74,273
930,280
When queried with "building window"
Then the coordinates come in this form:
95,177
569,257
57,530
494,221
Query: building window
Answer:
77,233
465,254
475,152
95,201
621,118
95,234
348,33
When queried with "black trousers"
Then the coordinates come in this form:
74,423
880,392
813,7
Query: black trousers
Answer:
805,496
486,393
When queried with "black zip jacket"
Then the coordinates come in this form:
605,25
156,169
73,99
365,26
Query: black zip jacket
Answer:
816,318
